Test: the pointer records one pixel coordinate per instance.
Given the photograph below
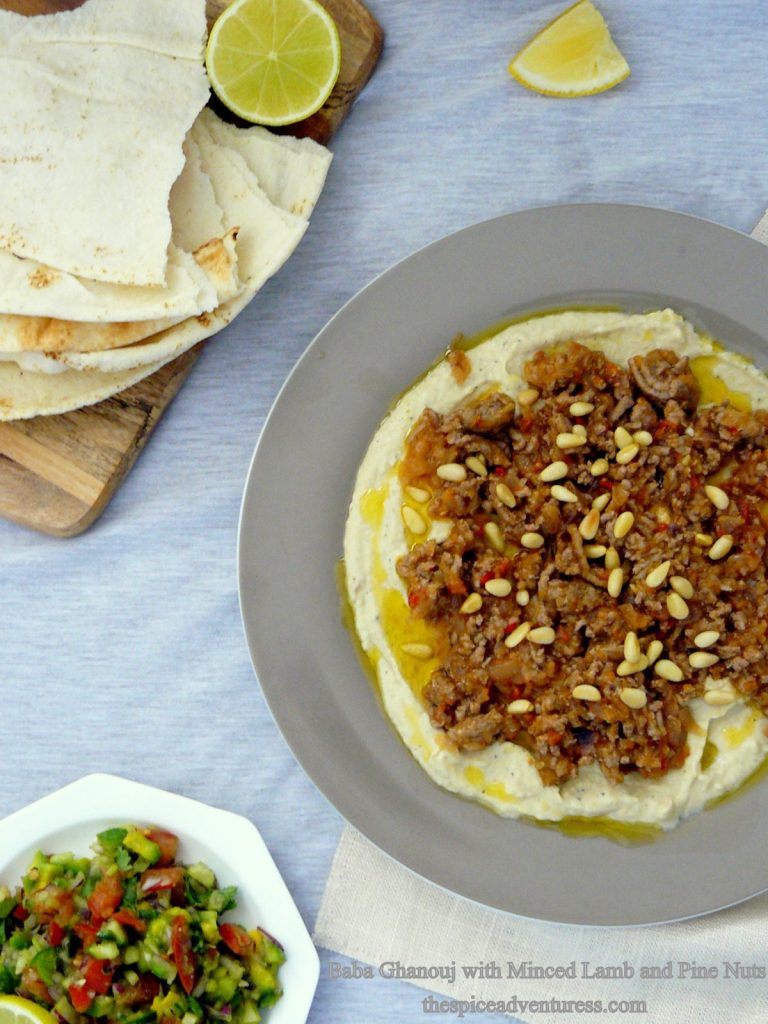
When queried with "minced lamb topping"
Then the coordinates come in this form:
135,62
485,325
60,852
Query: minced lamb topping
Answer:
606,557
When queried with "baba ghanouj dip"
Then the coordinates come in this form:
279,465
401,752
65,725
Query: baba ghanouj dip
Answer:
555,557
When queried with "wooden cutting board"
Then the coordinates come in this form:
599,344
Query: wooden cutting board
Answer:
57,473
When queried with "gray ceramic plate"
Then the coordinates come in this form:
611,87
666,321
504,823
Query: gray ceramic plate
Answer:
292,522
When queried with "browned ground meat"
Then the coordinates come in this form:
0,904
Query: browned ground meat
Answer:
471,696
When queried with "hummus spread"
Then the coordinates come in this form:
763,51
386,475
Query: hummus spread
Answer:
727,738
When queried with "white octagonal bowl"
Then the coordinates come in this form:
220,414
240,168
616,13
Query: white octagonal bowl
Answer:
69,819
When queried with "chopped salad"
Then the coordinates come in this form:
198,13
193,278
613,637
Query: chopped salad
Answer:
130,936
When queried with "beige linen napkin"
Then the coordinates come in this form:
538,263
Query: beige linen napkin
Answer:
380,913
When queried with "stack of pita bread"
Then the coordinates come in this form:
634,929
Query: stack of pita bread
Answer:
134,223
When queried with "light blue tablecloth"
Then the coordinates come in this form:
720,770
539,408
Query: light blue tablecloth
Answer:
123,650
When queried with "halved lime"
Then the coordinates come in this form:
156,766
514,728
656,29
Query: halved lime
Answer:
274,62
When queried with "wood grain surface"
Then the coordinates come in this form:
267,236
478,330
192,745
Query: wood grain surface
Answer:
58,473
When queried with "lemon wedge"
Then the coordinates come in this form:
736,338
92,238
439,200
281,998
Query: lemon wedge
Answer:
273,62
15,1010
573,55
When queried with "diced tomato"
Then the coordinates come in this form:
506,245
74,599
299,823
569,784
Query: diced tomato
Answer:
665,427
456,587
181,947
143,992
55,933
98,976
131,920
33,985
168,844
79,996
499,471
237,938
20,913
86,932
156,879
106,897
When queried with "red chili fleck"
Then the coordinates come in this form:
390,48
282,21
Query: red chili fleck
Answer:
606,484
499,471
567,459
515,692
733,430
553,737
720,531
511,627
502,567
661,527
413,598
580,420
695,482
744,510
526,422
485,578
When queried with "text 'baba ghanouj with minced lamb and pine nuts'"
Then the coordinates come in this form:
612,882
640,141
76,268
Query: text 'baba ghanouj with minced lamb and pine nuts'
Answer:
555,558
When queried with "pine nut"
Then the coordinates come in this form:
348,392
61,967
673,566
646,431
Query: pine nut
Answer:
494,536
719,698
519,707
627,454
518,635
633,697
599,467
561,493
584,691
622,437
505,496
452,471
581,408
417,493
612,560
717,496
721,547
601,501
701,659
580,429
421,651
704,540
677,607
522,597
706,638
615,582
643,437
477,467
413,521
595,550
472,604
653,650
668,670
566,441
631,647
682,586
542,635
554,471
624,523
528,396
499,587
657,576
630,668
532,541
589,525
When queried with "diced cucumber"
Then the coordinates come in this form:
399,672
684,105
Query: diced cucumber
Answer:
104,951
202,874
140,844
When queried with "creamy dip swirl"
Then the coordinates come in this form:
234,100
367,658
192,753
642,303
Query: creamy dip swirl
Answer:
727,743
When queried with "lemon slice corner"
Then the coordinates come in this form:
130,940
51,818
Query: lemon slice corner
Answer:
572,56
